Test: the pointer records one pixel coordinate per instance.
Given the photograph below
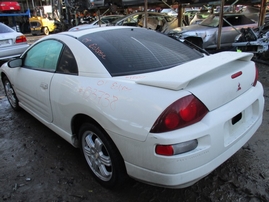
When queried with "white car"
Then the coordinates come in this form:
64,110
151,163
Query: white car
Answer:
12,43
138,103
170,11
104,21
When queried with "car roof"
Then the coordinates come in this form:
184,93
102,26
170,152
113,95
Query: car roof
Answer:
82,32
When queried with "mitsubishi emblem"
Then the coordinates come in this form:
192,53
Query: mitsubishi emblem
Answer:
239,87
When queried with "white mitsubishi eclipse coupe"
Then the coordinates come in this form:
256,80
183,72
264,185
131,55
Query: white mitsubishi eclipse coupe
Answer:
138,103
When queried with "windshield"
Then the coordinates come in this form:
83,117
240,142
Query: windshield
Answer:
211,21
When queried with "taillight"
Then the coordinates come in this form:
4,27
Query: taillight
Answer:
166,150
183,112
21,39
256,76
174,149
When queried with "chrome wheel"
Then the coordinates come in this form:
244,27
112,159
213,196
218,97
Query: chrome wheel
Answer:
10,93
103,157
97,156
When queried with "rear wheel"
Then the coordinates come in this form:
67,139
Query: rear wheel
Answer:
102,156
46,31
11,95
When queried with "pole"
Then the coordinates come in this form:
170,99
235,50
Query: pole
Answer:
220,24
262,13
180,15
146,14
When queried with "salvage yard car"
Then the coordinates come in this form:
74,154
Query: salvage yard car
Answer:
205,34
12,43
156,21
9,6
104,21
157,111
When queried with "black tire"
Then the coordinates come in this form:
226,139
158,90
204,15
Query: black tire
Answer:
11,95
46,31
102,156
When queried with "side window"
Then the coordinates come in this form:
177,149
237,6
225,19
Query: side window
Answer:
44,55
67,63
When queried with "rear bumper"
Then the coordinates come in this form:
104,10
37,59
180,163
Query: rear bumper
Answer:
218,139
9,6
188,178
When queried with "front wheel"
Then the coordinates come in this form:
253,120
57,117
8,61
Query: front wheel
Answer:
11,95
46,31
105,161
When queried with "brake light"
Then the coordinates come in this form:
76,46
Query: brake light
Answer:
166,150
183,112
21,39
256,76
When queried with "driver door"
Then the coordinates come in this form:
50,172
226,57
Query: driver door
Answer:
33,81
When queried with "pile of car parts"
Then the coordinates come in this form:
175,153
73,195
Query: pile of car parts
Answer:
254,40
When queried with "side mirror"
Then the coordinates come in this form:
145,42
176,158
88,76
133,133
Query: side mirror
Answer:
15,63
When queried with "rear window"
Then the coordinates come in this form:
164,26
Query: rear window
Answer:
137,50
5,29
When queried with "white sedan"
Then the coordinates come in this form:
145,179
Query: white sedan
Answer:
138,103
12,43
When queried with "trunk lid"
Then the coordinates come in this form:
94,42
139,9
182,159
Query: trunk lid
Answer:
215,80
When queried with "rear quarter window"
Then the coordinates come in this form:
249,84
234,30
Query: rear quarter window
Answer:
137,50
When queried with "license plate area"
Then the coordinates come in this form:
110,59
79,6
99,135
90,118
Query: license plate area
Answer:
237,118
238,125
4,42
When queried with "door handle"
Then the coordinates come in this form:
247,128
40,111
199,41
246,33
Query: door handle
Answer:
44,86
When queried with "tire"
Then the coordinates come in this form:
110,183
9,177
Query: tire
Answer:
11,95
102,156
46,31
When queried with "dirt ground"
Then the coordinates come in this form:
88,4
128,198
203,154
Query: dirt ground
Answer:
38,165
